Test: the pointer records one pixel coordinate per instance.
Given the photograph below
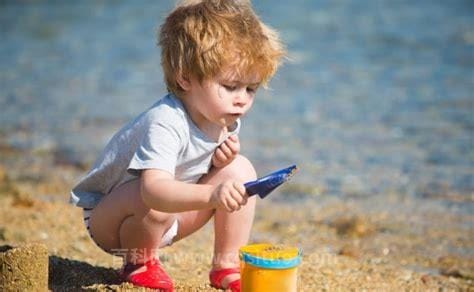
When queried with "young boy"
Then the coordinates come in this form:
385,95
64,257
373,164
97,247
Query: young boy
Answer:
167,172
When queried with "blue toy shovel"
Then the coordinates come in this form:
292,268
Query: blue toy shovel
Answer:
265,185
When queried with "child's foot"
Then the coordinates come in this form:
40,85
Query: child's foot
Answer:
226,279
149,274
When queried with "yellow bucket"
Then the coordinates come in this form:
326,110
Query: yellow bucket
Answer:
266,267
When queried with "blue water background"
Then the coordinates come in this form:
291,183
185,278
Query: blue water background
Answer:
377,96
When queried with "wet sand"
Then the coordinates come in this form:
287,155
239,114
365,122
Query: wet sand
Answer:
344,248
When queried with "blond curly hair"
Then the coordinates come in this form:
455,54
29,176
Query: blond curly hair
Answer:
200,38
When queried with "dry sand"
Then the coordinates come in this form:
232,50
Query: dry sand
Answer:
344,249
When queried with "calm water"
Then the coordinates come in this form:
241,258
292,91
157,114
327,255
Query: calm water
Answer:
377,97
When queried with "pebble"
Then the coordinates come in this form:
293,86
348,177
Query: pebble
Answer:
43,235
457,273
407,275
350,251
353,226
425,279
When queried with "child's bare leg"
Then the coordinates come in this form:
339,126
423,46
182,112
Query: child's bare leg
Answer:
122,221
232,230
191,221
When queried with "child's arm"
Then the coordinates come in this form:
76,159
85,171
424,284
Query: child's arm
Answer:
226,152
161,192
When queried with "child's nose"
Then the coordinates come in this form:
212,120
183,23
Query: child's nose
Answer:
241,98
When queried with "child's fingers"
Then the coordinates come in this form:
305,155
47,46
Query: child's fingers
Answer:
234,146
232,204
241,189
232,196
226,149
216,162
239,193
220,155
243,192
238,198
234,138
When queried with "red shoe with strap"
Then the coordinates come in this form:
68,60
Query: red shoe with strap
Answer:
153,276
216,276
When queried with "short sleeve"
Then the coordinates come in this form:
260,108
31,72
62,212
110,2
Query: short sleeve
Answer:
158,149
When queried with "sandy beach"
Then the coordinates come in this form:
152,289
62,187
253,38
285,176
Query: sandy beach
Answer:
343,249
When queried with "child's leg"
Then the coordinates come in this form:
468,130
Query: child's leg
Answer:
122,222
191,221
232,230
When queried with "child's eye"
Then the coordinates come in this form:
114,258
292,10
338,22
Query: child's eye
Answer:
230,87
251,90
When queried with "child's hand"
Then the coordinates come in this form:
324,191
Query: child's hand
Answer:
230,196
226,152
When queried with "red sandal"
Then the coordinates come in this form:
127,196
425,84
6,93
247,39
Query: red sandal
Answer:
216,276
152,277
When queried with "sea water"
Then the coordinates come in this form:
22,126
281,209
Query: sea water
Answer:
375,98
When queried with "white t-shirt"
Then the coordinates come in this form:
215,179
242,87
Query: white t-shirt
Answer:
163,137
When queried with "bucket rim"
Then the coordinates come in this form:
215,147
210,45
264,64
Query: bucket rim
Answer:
277,264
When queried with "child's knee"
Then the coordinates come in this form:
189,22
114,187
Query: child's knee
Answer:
159,218
240,168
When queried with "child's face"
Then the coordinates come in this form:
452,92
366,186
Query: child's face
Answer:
221,100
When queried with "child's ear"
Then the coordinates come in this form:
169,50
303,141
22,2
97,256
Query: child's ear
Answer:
183,82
